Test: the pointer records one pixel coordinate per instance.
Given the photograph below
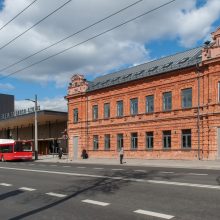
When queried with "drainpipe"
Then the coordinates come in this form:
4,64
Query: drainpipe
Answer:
198,110
87,123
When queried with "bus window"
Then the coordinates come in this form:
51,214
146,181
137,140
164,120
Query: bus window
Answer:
7,149
22,146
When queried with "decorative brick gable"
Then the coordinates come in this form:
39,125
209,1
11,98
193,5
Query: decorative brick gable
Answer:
78,85
212,50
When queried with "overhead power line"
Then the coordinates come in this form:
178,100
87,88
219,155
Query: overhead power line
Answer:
17,15
89,39
5,45
75,33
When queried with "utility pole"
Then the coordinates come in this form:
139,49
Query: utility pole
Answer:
35,130
35,127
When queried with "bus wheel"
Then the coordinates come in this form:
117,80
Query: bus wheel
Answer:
3,159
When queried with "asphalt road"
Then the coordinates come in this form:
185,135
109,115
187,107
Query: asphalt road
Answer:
35,190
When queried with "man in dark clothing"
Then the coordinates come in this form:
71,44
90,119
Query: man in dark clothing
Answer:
60,153
121,154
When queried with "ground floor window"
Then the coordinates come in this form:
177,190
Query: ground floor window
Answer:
107,141
186,138
166,139
134,140
149,140
95,142
120,141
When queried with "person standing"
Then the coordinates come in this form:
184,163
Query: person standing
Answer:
60,153
121,155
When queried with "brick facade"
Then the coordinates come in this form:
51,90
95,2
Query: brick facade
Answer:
201,119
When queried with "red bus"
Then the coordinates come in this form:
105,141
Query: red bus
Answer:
15,150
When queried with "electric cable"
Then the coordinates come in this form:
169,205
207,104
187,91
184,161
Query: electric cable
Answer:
89,39
17,15
75,33
5,45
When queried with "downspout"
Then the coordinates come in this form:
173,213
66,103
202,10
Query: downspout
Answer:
87,123
198,110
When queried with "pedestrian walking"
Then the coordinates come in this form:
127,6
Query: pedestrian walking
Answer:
121,155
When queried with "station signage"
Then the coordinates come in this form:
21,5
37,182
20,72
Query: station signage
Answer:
18,113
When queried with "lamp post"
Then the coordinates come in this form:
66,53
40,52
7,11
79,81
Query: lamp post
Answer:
35,127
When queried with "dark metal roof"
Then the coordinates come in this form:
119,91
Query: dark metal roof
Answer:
164,65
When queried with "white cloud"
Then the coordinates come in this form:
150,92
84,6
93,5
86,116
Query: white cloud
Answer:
180,20
55,104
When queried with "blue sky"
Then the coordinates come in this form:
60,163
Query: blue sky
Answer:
175,28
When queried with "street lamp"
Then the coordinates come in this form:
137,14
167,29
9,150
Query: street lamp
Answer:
35,127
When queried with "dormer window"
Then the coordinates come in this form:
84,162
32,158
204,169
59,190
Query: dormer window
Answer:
167,64
183,60
153,68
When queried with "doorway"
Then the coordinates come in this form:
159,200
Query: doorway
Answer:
218,156
75,147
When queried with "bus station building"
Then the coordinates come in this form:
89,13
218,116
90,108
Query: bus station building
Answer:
52,126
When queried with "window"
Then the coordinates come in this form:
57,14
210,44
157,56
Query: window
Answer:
167,101
22,146
134,140
106,110
95,142
186,138
134,106
107,141
120,108
187,98
149,140
150,103
75,115
6,149
166,139
95,112
120,141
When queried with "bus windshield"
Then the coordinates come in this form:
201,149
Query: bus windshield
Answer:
22,146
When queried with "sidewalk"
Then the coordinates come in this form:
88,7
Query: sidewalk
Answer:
189,164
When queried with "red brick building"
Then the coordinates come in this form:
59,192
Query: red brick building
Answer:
167,108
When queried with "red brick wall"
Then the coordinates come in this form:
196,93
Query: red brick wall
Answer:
174,120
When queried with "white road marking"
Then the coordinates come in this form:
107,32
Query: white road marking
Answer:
184,184
56,194
154,214
98,168
27,189
81,167
66,166
115,178
31,164
166,172
53,165
5,184
198,174
95,202
117,169
144,171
